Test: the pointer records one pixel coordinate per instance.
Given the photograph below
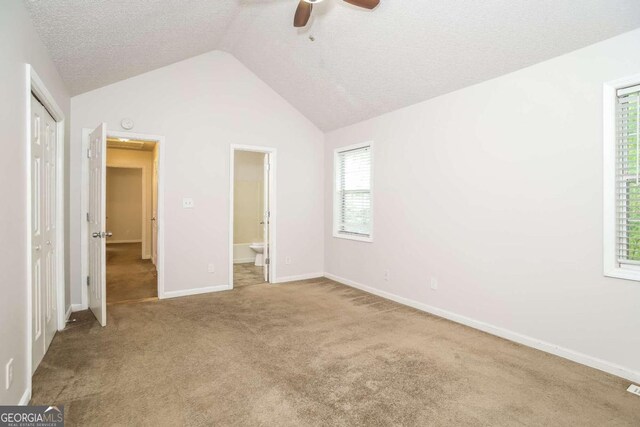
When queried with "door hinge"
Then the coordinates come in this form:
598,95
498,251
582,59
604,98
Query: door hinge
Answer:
88,153
88,220
88,280
267,261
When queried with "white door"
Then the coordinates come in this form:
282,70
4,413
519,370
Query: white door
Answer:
154,216
43,231
97,280
37,234
49,236
266,217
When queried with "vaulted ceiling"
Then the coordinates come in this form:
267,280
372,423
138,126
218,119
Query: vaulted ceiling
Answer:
359,64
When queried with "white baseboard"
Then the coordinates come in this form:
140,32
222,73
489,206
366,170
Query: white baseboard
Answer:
572,355
26,397
244,260
299,277
110,242
78,307
195,291
68,313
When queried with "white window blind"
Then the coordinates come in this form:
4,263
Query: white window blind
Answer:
627,177
353,207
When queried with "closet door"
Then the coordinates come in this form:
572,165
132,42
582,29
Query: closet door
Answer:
43,230
38,268
49,249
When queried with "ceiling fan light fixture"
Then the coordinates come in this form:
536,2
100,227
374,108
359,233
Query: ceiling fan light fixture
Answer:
303,11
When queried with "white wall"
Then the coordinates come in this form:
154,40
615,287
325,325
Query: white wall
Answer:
19,45
496,191
201,106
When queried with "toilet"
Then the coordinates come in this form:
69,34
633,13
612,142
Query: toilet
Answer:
258,248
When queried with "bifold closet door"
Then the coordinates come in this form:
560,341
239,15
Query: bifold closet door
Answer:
50,220
43,231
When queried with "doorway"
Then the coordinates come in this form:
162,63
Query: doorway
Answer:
124,232
130,188
252,216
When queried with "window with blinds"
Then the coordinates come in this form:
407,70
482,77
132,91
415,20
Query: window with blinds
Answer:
627,177
353,199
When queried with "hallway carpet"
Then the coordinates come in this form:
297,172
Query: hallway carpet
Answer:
129,277
312,353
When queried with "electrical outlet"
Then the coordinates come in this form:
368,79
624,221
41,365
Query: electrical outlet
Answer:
386,275
634,389
434,283
211,268
187,203
9,374
287,260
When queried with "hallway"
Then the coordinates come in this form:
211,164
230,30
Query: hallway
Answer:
129,277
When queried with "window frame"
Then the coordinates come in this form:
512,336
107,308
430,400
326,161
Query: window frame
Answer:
611,266
336,192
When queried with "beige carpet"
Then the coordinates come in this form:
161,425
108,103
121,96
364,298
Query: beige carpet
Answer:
129,277
247,274
312,353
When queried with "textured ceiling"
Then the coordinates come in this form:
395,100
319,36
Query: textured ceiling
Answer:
361,64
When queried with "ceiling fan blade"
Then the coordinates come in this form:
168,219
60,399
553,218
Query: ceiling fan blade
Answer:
367,4
303,13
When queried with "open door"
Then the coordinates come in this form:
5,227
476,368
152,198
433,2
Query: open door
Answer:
154,217
266,215
97,280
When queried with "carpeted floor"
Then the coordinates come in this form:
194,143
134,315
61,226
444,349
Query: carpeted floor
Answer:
312,353
129,277
247,274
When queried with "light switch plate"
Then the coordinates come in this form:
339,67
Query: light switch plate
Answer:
187,203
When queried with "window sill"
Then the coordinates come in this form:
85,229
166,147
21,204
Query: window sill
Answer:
357,238
623,273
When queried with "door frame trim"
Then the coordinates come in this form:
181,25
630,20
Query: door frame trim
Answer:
84,235
35,84
271,152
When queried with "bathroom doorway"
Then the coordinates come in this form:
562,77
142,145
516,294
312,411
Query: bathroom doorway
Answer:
252,219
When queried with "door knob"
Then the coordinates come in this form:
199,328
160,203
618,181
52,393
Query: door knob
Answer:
108,234
96,235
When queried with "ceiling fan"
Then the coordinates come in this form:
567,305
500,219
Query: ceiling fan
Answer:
303,12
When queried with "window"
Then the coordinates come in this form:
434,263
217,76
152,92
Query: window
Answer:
627,177
622,180
352,201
